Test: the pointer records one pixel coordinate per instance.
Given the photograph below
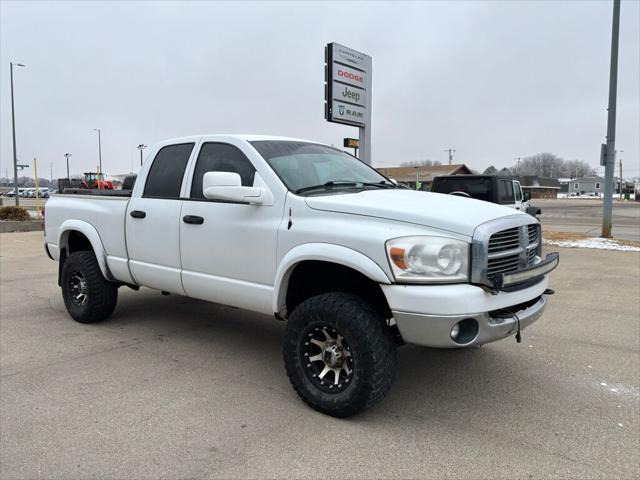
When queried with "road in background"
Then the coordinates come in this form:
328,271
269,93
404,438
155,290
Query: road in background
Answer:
585,217
178,388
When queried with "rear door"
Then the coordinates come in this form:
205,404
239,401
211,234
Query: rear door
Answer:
153,221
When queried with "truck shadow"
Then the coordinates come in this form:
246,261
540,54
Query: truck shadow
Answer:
450,384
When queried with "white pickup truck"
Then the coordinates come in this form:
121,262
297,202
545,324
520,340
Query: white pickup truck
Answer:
311,235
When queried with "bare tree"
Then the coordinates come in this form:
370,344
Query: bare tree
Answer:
549,165
491,170
421,163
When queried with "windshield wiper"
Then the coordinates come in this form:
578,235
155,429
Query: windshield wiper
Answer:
347,183
336,183
380,184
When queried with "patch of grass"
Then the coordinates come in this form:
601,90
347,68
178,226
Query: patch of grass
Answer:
14,213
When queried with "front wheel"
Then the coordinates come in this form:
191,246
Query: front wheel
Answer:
339,354
88,296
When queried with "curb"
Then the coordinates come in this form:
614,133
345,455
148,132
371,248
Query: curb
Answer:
7,226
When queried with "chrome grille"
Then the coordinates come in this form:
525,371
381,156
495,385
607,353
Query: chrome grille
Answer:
512,249
503,264
504,240
504,245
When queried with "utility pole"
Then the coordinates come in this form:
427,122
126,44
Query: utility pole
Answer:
13,127
451,152
611,124
141,147
417,176
51,172
518,165
67,155
99,150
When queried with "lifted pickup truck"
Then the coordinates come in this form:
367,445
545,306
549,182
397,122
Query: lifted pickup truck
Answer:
311,235
503,190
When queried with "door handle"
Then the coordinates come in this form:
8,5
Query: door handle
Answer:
193,219
138,214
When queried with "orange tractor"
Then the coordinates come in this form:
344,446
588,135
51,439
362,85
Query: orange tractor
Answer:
94,180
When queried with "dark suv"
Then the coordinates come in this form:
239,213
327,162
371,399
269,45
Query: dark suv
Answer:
503,190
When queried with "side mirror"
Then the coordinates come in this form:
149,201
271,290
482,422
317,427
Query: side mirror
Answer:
227,186
526,196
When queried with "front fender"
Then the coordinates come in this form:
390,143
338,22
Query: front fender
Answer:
92,235
323,252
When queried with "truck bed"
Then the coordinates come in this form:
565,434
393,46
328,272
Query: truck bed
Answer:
95,192
103,213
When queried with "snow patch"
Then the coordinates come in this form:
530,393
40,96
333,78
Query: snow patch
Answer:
597,243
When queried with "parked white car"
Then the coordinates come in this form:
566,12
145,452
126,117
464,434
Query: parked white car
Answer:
311,235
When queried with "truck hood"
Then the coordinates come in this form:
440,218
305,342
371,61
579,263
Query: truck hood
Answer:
446,212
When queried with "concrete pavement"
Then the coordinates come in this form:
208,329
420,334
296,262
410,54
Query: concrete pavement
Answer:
177,388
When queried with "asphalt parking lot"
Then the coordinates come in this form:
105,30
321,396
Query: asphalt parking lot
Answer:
177,388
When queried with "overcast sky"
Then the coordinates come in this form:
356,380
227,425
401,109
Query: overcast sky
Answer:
494,80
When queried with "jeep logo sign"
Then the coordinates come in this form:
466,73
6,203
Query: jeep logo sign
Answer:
347,93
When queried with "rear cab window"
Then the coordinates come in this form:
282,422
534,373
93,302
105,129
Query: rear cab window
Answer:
164,179
478,188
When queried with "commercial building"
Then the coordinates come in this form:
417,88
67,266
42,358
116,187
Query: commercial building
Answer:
539,187
424,175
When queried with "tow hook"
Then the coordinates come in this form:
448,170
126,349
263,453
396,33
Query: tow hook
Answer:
547,291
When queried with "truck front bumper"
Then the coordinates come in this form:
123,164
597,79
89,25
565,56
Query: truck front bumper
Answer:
426,315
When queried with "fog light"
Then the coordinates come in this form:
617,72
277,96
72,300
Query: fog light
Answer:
465,331
455,331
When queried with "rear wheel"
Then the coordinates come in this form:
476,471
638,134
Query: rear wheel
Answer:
88,296
339,354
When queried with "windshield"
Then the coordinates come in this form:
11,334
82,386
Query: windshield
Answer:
302,166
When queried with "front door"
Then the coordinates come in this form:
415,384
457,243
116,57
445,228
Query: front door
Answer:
228,249
153,221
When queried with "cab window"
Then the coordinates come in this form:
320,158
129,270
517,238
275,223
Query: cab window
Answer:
505,190
518,190
221,157
165,175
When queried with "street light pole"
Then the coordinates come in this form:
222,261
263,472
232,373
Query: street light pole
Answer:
611,124
13,127
99,150
67,155
141,147
620,189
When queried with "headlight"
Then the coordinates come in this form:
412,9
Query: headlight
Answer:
428,259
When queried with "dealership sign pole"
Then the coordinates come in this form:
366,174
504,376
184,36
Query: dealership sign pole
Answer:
348,92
